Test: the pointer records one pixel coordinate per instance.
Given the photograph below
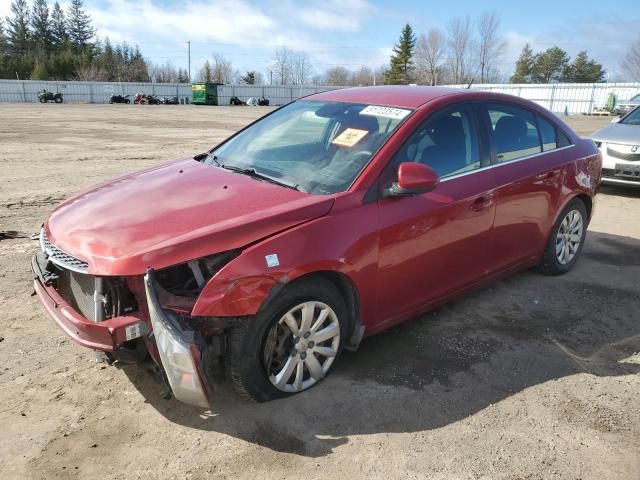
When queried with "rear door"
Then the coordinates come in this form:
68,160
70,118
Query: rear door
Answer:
528,171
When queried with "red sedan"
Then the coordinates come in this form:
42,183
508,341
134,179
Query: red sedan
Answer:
329,219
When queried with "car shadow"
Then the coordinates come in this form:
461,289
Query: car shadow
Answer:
628,191
449,364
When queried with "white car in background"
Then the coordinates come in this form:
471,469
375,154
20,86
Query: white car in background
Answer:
619,144
628,105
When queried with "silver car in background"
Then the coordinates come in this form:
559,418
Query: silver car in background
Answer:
625,107
619,144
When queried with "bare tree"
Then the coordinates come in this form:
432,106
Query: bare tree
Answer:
459,48
338,76
631,62
489,47
221,70
362,77
166,73
300,67
430,55
89,73
281,67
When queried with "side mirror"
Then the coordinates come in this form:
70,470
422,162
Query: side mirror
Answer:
413,179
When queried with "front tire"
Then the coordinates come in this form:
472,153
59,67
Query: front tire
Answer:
289,346
566,240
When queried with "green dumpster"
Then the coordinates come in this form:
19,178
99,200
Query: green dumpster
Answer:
204,93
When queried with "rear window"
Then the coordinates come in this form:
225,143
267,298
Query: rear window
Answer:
515,133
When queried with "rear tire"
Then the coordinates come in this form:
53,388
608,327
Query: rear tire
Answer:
267,360
566,239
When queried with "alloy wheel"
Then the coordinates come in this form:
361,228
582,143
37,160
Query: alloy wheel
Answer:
569,237
301,347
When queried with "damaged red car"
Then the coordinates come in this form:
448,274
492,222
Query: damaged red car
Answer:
329,219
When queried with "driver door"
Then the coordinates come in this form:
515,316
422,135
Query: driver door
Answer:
437,243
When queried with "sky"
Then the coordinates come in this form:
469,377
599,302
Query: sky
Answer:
352,33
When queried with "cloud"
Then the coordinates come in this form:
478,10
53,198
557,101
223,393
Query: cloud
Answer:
335,15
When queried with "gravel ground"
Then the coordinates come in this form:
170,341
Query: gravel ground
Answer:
531,378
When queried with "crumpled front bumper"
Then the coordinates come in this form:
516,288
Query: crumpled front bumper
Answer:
105,336
179,349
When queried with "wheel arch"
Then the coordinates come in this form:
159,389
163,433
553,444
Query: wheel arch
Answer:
347,289
588,203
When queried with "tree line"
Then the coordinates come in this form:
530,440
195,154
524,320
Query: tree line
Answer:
554,65
40,42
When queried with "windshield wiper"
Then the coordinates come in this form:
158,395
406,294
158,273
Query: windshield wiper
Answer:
252,172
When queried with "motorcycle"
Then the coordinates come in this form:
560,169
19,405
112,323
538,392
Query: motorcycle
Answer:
45,96
120,99
144,99
169,101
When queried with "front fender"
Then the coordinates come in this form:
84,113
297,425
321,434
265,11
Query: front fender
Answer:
242,286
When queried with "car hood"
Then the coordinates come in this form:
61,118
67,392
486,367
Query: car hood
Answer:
174,213
618,133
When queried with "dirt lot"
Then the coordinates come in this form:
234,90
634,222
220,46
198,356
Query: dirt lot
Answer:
534,377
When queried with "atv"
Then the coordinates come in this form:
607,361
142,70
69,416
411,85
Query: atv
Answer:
45,96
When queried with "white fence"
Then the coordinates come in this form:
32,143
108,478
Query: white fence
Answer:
570,97
574,98
20,91
87,92
276,94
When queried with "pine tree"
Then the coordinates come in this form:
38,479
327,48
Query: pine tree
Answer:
524,66
59,34
18,33
183,77
402,59
249,78
40,25
550,66
39,71
3,47
79,26
584,70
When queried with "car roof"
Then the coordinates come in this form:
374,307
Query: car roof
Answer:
406,96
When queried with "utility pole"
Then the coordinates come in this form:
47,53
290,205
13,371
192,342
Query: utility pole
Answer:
189,56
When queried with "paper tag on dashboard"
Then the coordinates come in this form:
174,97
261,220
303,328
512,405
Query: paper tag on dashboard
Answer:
386,112
349,137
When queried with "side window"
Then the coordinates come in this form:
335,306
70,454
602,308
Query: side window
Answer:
447,142
514,130
548,135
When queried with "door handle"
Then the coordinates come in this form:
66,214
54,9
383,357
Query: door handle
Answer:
546,175
481,203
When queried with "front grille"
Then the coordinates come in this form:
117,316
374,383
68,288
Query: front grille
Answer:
631,157
60,257
621,174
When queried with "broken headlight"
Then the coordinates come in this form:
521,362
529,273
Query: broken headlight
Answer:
188,279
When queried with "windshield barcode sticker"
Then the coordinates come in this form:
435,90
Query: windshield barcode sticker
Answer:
387,112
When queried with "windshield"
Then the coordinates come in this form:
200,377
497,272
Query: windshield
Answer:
635,98
632,118
317,147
